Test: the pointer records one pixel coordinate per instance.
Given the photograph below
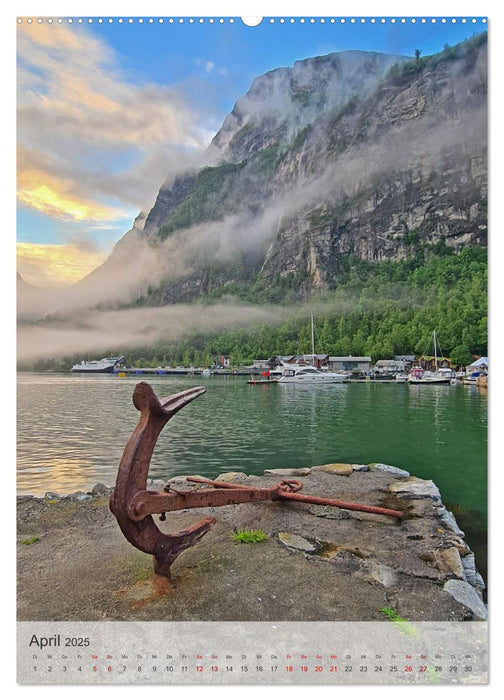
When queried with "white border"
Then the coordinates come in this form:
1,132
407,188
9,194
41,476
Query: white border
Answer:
227,9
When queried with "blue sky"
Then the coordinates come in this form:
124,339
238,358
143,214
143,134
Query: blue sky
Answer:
167,52
108,110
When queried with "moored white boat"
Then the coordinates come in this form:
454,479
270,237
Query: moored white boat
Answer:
420,376
477,369
443,375
307,374
473,377
105,365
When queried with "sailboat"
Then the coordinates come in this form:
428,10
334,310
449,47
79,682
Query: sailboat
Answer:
309,374
418,375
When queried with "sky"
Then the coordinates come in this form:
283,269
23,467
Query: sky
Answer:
107,110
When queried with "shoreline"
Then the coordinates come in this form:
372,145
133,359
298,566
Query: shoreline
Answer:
329,563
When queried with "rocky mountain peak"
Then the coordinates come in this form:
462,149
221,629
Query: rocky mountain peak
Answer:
285,100
350,154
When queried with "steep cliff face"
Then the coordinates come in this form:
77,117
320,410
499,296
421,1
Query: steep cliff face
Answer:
405,167
353,153
282,102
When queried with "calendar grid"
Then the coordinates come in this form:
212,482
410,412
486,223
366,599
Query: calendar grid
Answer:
252,653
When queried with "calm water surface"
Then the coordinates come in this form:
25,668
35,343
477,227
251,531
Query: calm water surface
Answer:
72,431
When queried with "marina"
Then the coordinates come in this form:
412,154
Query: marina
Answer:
314,368
286,372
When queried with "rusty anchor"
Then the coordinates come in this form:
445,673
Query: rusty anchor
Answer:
133,504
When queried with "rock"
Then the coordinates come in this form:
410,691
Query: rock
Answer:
360,467
378,466
27,497
229,476
465,594
329,512
155,485
448,520
304,471
52,496
415,488
448,562
471,573
384,575
183,482
296,542
459,543
100,490
336,468
78,496
427,556
326,84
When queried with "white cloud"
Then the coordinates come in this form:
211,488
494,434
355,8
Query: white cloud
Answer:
90,132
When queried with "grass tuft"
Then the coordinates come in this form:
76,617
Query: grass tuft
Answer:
30,540
401,622
250,536
392,615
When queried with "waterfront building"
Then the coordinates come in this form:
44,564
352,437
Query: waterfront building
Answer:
348,363
390,366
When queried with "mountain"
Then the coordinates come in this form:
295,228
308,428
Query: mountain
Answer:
353,155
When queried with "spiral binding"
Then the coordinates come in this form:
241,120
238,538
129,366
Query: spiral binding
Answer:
270,20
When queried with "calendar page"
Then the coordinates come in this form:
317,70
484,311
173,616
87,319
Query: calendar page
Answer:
252,384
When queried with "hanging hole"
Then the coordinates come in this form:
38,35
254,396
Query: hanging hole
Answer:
251,21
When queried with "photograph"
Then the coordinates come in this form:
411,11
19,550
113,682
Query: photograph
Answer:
252,349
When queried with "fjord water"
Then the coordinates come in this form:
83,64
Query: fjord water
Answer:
72,430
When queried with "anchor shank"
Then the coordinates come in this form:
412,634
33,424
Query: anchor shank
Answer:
147,502
132,479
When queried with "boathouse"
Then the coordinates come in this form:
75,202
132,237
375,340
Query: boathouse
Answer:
479,365
277,360
390,366
409,361
429,362
317,361
349,363
260,364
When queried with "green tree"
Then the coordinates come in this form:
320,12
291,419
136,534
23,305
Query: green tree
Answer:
460,356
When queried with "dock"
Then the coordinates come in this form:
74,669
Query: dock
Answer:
183,371
262,381
241,372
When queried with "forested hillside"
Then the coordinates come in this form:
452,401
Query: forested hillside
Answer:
379,310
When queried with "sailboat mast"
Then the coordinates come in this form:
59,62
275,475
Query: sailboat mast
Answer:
312,339
435,351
